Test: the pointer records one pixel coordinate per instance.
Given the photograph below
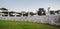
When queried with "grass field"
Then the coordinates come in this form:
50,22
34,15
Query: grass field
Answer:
24,25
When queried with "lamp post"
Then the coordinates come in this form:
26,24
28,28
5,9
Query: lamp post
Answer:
8,13
48,10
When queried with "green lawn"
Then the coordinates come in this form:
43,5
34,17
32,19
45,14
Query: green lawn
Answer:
24,25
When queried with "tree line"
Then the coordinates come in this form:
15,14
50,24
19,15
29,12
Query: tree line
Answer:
40,12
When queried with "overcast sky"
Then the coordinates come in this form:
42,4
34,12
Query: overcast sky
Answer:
29,5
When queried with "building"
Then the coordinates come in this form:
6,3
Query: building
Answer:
5,12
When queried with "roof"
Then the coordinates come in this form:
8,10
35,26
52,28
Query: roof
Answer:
3,9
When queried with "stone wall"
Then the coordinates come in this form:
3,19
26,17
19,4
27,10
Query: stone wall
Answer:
50,19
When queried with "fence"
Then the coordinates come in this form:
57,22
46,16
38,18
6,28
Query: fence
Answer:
50,19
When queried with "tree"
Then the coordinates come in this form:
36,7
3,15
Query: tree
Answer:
18,14
41,11
31,13
58,11
52,12
26,14
11,13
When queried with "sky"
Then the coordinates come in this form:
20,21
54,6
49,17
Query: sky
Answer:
29,5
